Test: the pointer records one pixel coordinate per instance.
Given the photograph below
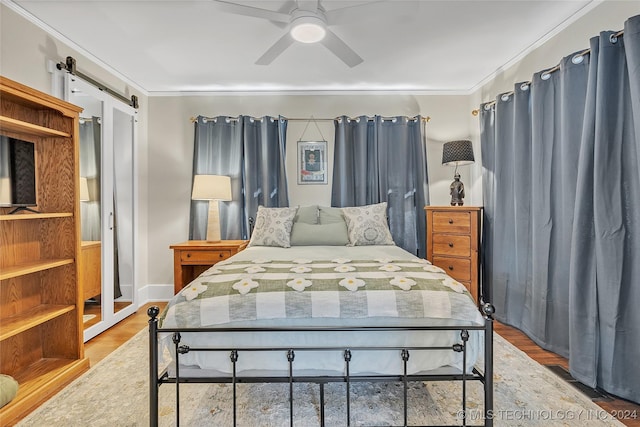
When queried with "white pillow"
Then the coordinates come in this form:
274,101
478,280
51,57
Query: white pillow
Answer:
367,225
273,227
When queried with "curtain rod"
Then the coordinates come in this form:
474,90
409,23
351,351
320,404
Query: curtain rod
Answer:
70,66
613,38
88,119
301,119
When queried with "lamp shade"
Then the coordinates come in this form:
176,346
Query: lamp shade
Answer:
84,190
211,187
457,153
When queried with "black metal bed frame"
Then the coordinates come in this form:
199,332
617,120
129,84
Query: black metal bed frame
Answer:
485,377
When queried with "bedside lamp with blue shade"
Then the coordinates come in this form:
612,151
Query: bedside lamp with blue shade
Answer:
457,153
214,188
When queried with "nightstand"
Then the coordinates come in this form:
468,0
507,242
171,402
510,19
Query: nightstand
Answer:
453,242
90,269
192,258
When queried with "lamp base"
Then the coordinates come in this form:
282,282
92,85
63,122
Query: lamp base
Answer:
456,189
213,222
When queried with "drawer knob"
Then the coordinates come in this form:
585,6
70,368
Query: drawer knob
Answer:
221,255
450,244
450,221
451,267
188,255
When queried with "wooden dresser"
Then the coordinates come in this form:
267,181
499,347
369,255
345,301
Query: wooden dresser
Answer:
453,242
192,258
90,269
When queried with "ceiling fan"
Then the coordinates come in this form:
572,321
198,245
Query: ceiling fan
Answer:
307,21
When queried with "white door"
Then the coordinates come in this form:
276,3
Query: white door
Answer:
107,171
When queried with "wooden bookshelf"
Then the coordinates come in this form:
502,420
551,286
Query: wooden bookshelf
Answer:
12,125
41,331
30,216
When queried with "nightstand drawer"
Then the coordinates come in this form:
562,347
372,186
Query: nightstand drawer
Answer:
451,222
458,268
192,258
199,257
451,245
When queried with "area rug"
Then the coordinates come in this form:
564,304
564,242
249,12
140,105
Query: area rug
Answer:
115,393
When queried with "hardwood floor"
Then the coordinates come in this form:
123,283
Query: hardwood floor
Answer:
100,346
627,412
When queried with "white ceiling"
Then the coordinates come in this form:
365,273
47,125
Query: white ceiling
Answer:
192,46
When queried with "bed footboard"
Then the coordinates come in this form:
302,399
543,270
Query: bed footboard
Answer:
158,378
154,382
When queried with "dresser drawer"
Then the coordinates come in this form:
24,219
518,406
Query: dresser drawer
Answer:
451,222
204,256
458,268
452,245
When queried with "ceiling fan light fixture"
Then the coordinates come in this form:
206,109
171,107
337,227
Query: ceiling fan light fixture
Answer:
308,29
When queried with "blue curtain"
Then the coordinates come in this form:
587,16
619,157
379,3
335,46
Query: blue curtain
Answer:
90,163
383,160
605,267
251,151
562,216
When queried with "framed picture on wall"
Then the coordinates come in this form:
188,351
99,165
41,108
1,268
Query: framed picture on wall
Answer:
312,162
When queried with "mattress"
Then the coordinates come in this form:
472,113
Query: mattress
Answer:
323,287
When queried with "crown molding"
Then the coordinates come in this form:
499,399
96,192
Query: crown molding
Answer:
63,39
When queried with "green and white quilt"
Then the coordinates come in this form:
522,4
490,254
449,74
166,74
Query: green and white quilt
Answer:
240,290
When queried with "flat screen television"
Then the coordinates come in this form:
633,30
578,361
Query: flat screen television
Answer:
17,173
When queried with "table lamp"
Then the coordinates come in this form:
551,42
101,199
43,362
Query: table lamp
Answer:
5,191
84,190
213,188
457,153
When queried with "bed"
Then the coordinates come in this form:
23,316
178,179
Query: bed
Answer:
321,313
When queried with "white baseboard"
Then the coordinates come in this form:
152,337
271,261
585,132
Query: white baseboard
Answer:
153,293
127,292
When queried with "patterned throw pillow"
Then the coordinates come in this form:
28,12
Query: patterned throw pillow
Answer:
367,225
273,227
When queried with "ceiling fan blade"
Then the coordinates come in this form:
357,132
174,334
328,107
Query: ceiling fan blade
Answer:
339,48
254,12
381,9
311,5
274,51
286,8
